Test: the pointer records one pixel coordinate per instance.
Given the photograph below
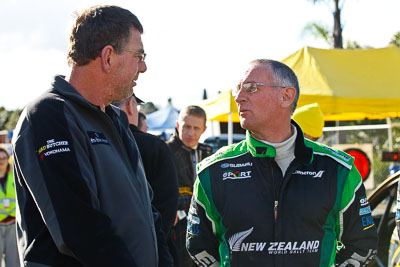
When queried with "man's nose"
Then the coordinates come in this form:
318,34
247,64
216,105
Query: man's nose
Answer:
240,96
190,131
142,66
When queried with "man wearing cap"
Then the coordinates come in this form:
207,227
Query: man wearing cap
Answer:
159,168
311,120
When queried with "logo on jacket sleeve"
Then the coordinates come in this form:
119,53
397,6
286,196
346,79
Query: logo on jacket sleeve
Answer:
97,138
53,147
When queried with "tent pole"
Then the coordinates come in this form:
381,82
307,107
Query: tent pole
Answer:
337,133
230,129
390,135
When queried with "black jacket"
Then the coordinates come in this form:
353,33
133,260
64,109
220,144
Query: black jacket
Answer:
246,213
82,195
183,162
161,174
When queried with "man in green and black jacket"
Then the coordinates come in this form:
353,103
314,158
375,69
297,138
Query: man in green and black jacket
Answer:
276,199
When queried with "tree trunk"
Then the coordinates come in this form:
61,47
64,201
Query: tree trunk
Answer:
337,30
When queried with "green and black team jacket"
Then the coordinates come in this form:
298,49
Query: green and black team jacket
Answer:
244,212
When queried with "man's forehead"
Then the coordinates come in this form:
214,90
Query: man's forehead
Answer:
136,39
257,72
190,119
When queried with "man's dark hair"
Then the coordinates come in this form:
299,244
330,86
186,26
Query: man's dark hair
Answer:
98,27
193,110
282,75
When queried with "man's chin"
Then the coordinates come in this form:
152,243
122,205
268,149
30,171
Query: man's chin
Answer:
244,124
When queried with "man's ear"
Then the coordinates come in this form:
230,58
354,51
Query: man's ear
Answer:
205,128
288,95
106,58
177,125
128,106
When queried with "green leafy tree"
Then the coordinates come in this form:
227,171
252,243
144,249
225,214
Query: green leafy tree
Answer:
395,40
318,31
8,119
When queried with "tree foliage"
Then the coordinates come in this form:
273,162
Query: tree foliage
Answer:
395,40
9,118
318,31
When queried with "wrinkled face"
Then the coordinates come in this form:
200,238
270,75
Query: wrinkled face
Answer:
3,160
190,128
257,109
128,66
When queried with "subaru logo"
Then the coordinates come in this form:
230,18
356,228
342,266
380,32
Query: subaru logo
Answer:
224,165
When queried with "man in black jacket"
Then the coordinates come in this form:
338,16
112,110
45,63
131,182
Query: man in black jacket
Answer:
159,168
82,195
187,153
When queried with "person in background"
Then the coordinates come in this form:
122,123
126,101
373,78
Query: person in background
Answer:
277,199
187,151
160,171
8,241
142,123
82,194
311,120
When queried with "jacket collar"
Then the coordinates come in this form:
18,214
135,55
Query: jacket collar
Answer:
262,150
64,88
133,128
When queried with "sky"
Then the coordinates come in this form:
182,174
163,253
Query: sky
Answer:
190,45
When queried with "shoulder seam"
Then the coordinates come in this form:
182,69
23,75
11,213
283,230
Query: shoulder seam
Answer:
348,166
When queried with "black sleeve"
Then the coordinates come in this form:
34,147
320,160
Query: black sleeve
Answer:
398,210
161,174
358,231
166,199
201,241
164,256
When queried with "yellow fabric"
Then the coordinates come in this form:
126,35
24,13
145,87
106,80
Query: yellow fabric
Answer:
310,119
7,197
349,84
218,109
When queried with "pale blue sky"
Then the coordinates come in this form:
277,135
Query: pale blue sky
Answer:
191,45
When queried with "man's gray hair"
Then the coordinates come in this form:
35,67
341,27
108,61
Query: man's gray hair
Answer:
282,75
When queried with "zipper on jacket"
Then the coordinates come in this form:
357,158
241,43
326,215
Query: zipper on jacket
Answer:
276,209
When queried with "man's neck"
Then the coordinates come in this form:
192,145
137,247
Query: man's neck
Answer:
273,134
93,90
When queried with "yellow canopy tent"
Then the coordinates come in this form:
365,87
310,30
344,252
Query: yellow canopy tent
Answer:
349,84
223,109
219,108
